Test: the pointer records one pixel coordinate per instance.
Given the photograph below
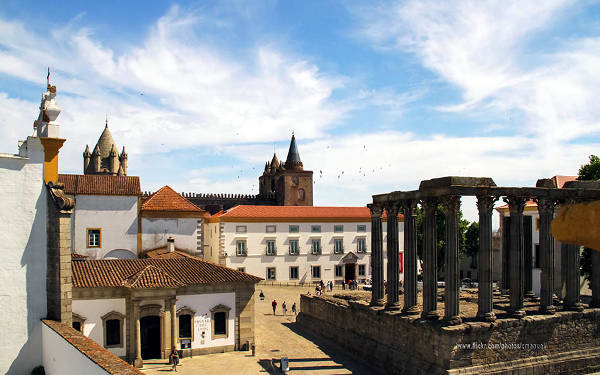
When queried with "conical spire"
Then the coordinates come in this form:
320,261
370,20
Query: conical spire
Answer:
274,161
87,153
293,158
105,143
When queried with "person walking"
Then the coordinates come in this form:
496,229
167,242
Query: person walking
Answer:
174,358
274,304
262,296
284,307
294,308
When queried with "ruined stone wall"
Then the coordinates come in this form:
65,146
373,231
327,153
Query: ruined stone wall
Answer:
407,345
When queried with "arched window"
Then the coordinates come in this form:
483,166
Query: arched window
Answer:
78,322
301,194
113,329
186,323
220,317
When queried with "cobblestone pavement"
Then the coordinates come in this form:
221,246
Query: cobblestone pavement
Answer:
276,336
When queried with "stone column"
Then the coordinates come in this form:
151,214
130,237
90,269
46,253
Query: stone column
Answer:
377,289
516,272
392,257
485,311
528,256
451,205
595,283
409,208
138,335
505,254
572,258
430,259
546,211
173,311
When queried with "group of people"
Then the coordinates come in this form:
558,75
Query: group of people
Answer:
283,307
352,285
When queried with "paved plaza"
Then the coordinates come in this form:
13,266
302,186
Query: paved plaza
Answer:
276,337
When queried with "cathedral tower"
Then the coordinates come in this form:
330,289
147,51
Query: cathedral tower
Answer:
105,158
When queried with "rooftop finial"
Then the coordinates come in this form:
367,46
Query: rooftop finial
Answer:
48,78
106,121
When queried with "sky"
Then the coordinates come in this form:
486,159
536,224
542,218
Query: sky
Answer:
380,94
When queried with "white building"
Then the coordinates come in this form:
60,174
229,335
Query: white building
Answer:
104,222
295,243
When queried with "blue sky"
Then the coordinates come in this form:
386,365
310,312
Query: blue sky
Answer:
389,92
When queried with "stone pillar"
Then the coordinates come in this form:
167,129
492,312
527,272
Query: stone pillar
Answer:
572,258
595,283
451,205
485,311
377,289
409,208
430,259
392,257
528,256
173,311
505,254
546,211
516,206
138,335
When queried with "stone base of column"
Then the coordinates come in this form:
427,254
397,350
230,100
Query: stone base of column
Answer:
594,304
504,292
548,309
393,307
413,310
431,315
138,363
453,320
576,307
529,294
377,303
519,314
488,316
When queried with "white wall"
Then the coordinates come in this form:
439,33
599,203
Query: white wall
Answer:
186,233
256,262
92,310
62,358
22,258
212,236
117,217
202,303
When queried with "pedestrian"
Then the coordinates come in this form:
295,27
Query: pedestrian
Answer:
174,358
294,308
262,296
330,285
274,304
284,307
343,285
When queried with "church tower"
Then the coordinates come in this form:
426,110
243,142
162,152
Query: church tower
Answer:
105,158
289,182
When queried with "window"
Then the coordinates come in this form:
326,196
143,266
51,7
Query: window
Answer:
338,245
293,273
78,322
315,229
294,247
271,228
338,228
294,228
316,272
241,229
241,248
220,316
362,270
361,228
241,269
339,271
301,194
113,329
295,180
94,238
271,247
271,275
185,326
361,245
316,246
536,260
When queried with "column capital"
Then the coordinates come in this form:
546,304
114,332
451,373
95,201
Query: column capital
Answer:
485,203
516,204
451,204
545,205
430,206
136,301
376,210
392,209
409,207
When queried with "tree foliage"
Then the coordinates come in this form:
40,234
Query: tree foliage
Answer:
589,172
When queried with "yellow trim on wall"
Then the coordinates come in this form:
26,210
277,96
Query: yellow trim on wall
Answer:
51,148
87,238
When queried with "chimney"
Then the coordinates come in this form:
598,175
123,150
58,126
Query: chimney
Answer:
170,244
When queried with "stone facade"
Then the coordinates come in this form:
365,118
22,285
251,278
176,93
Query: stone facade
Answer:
567,342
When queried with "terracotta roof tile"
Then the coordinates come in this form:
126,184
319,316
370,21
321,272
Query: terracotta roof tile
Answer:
295,212
91,349
75,256
167,199
151,277
188,271
559,181
78,184
163,253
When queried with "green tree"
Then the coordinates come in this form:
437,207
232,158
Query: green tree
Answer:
441,235
589,172
472,242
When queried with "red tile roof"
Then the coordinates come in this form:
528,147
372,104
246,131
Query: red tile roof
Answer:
298,213
78,184
559,182
75,256
167,199
115,273
91,349
163,253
